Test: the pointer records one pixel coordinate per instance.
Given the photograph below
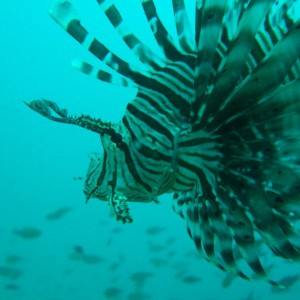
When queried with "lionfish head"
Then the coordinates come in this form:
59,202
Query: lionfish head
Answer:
108,177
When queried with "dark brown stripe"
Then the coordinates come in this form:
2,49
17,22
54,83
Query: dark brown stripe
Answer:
78,32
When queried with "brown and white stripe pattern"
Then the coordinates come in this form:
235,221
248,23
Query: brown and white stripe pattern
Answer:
215,120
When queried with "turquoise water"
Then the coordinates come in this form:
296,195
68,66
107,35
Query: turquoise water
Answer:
52,245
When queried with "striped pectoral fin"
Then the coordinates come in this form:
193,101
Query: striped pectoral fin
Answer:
143,52
183,26
99,73
223,237
264,203
165,41
192,208
66,15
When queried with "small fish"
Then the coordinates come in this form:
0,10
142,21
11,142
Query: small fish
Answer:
112,292
11,286
156,248
12,259
79,255
158,262
58,214
140,277
78,178
91,259
28,233
10,272
78,249
190,279
154,230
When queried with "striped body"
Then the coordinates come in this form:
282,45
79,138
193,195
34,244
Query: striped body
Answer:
216,121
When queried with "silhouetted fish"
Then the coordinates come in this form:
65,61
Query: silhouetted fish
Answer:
78,249
10,272
112,292
190,279
13,259
92,259
154,230
158,262
28,233
58,214
11,286
80,255
140,277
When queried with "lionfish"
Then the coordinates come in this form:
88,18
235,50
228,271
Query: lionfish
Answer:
215,121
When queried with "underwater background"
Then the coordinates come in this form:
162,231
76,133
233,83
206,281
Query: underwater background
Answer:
52,245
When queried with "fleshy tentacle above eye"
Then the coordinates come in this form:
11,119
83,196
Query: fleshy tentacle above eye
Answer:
47,107
44,108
